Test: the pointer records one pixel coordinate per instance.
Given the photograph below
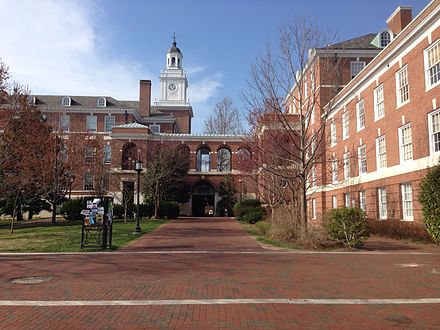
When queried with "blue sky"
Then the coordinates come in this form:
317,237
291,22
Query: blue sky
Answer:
104,47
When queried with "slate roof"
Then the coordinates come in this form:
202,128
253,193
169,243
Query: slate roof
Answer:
54,101
362,42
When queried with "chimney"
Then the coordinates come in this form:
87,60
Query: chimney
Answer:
144,97
399,19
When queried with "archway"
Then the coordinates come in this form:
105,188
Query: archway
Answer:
203,200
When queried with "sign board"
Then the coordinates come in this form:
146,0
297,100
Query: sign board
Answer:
89,204
100,210
85,212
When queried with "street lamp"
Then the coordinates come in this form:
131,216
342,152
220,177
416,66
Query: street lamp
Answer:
138,230
241,189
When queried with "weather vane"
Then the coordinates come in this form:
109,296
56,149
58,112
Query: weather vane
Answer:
174,36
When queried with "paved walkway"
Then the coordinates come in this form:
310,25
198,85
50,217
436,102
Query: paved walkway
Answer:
178,278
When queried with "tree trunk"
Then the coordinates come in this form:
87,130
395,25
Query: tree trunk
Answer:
125,212
54,214
303,203
30,214
19,214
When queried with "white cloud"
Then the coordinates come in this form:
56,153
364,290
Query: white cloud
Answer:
201,91
54,48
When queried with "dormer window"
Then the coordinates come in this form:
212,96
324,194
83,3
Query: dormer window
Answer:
66,101
102,102
31,100
385,38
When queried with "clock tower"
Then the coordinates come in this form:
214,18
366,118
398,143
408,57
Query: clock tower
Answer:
173,82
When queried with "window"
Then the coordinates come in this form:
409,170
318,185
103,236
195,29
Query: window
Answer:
347,199
92,123
432,65
203,160
333,140
356,67
224,160
109,123
346,165
65,123
381,152
90,155
382,201
385,38
155,128
362,159
313,208
379,104
363,200
334,202
312,114
402,86
102,102
405,143
66,101
88,181
360,115
434,131
334,170
107,154
407,204
345,125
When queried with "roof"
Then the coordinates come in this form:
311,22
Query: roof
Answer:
174,48
131,125
54,101
362,42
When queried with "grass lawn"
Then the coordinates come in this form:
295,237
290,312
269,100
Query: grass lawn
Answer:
66,237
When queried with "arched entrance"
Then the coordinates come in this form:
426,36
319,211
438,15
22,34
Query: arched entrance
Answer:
203,200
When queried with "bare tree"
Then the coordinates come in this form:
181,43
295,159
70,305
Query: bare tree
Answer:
287,111
225,119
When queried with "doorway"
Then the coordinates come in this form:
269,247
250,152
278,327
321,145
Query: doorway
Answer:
203,200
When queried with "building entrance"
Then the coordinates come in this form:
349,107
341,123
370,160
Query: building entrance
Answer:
203,200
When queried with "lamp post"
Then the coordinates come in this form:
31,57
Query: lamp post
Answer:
138,230
241,189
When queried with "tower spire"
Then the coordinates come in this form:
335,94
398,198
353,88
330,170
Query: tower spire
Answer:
174,39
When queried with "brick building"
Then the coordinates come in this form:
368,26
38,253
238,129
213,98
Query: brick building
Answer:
383,127
126,129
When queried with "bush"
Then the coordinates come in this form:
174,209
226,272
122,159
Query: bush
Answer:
244,206
71,209
170,210
347,225
222,205
253,216
430,199
119,211
263,227
146,209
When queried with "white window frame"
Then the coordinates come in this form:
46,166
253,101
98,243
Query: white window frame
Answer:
386,40
154,128
312,115
313,176
334,202
88,181
363,200
108,125
428,82
353,67
407,202
313,208
65,123
347,199
101,102
333,136
345,125
379,102
405,146
360,115
66,101
347,167
381,155
107,153
91,121
402,86
434,134
362,159
382,203
334,171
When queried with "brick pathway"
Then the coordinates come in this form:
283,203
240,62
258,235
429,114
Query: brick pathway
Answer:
178,262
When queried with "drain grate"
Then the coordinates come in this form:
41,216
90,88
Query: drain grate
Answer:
31,279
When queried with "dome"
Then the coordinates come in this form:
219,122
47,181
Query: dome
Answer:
174,49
